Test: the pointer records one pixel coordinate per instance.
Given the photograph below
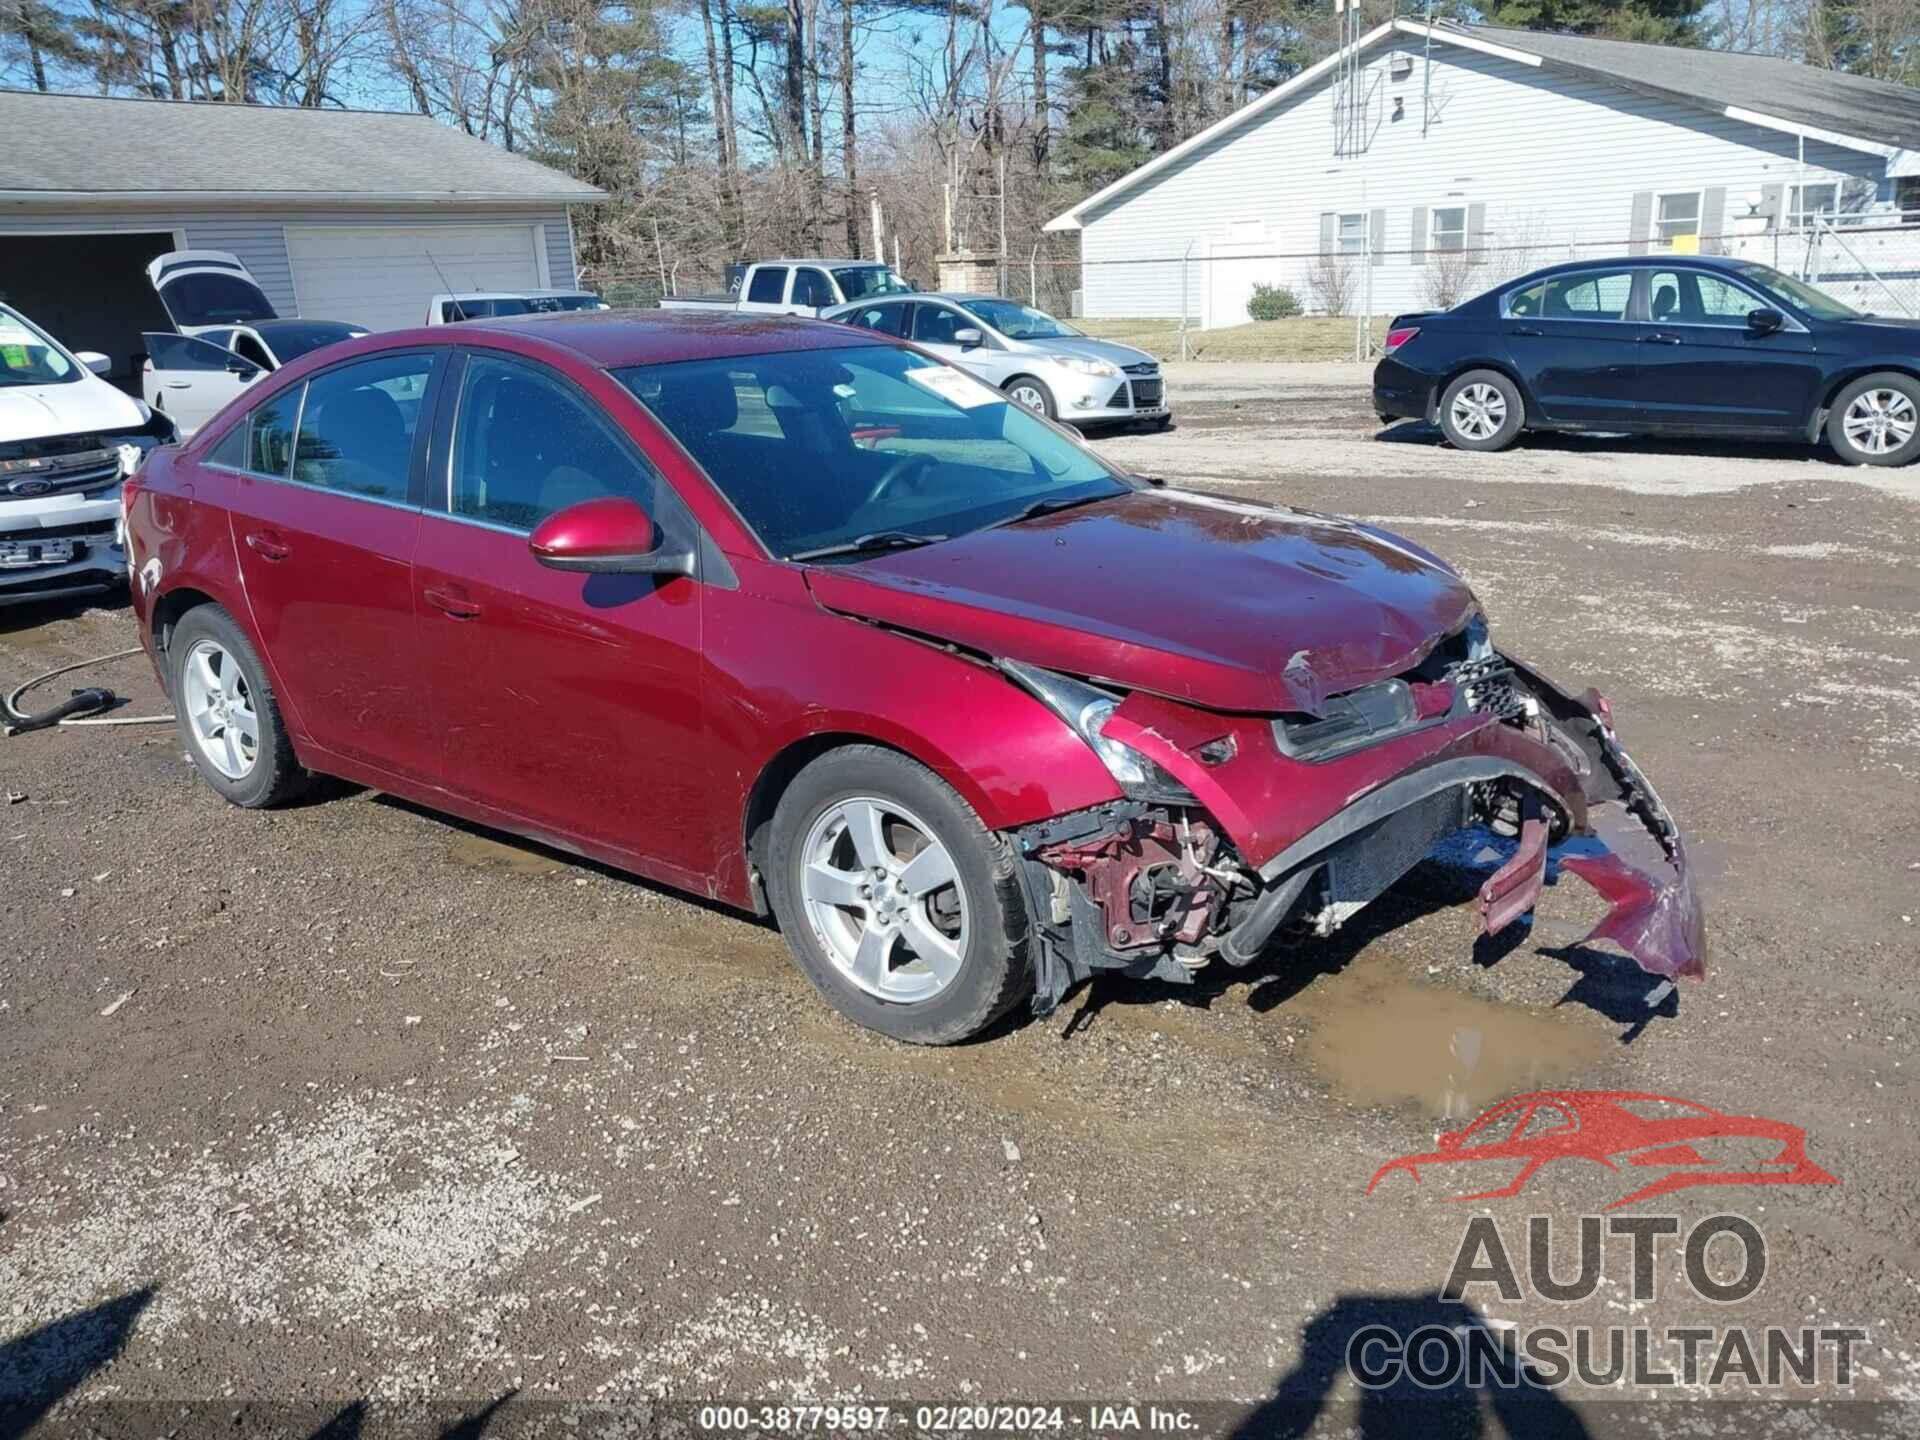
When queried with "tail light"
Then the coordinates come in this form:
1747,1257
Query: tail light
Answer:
1398,337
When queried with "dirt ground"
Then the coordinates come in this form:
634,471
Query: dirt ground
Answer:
350,1104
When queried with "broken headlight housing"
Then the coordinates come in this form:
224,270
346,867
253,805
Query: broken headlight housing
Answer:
1086,711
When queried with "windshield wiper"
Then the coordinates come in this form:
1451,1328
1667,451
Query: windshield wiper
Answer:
1047,506
874,540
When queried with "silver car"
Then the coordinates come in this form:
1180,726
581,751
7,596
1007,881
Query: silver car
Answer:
1043,363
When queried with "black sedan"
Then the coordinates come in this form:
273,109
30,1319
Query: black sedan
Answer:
1659,345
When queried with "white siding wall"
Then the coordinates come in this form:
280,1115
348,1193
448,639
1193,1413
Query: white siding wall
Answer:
258,237
1554,159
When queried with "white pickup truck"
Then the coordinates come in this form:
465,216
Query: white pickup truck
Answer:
798,287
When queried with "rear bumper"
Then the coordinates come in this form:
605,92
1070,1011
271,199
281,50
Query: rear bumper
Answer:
1400,391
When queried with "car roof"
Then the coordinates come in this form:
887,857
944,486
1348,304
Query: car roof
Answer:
616,338
483,295
816,260
286,323
1664,261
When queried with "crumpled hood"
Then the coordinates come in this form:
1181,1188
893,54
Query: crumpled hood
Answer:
32,412
1223,604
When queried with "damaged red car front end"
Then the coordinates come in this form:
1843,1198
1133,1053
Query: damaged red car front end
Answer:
1283,774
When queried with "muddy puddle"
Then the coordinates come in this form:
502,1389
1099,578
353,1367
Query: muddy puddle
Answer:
1382,1039
483,852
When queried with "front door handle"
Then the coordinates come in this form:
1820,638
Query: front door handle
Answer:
1660,337
1527,330
267,545
445,601
179,384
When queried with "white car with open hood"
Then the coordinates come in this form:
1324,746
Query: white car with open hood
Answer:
67,440
228,336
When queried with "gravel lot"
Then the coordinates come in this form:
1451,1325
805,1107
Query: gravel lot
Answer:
350,1103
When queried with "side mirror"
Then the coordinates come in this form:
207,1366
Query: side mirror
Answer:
96,362
608,536
969,338
1765,321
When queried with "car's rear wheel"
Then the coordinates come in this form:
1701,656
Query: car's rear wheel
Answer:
898,904
1876,420
1032,393
226,712
1482,410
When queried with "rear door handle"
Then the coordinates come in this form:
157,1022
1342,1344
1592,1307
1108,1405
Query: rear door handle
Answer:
447,602
1660,337
268,545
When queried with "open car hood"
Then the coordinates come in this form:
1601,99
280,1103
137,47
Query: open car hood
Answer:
204,289
1219,603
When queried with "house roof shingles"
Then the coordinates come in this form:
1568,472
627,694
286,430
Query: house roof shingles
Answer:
1874,110
80,145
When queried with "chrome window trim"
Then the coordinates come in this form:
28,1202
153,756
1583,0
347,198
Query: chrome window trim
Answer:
406,505
1760,302
1506,298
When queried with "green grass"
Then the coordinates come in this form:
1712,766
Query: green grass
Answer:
1307,337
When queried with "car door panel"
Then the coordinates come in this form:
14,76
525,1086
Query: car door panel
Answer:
569,704
192,379
324,528
1573,347
1703,368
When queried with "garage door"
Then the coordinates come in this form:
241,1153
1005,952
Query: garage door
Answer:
382,276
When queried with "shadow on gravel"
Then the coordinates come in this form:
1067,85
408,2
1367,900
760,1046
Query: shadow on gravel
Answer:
1419,432
32,614
350,1421
1380,1327
42,1367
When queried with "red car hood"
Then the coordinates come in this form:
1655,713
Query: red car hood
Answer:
1222,604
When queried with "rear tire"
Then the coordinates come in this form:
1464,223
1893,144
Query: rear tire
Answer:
226,712
899,905
1876,420
1482,410
1027,391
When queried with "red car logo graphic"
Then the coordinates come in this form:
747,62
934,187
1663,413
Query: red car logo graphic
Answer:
1615,1128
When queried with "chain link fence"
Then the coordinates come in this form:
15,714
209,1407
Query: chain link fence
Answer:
1246,300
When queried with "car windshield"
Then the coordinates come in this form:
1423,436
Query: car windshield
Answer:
1017,321
29,357
860,282
1816,303
290,342
552,304
472,309
864,446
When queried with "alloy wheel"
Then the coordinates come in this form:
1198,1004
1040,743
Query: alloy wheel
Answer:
1879,422
219,706
1028,396
883,897
1478,411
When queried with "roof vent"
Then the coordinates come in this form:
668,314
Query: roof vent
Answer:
1400,65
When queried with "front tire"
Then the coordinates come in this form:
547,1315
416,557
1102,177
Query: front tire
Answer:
1876,420
898,903
1482,410
226,712
1027,391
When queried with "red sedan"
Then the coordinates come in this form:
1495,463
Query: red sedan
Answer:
797,617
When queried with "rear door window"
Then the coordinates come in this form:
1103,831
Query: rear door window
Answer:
357,429
1583,295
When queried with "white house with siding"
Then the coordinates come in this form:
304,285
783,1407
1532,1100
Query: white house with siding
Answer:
340,215
1430,162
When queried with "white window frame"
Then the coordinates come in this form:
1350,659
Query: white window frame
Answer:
1433,226
1797,216
1660,237
1359,245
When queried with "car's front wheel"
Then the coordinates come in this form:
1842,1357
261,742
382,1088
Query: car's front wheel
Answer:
227,714
1027,391
1876,420
1482,410
898,904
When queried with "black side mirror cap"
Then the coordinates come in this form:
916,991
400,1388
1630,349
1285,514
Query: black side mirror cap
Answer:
1764,321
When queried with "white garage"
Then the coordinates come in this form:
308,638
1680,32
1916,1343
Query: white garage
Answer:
339,214
381,276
